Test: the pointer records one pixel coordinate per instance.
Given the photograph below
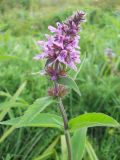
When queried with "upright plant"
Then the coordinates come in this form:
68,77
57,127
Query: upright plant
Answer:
61,50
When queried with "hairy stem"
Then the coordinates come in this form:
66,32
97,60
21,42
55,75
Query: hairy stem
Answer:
66,131
65,120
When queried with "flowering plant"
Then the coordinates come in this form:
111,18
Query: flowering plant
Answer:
61,50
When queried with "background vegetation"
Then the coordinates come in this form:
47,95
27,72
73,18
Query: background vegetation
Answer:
24,22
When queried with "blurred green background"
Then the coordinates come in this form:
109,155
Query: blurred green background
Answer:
24,22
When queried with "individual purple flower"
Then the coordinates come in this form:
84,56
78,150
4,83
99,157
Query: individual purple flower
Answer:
62,56
61,48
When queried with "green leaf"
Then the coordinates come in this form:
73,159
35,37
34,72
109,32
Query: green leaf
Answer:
90,151
40,120
70,83
8,105
7,133
92,120
38,106
46,155
78,143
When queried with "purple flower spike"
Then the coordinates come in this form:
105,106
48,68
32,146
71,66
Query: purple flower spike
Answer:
61,48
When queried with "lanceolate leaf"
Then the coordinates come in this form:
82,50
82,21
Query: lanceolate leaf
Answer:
92,120
41,120
78,143
70,83
38,106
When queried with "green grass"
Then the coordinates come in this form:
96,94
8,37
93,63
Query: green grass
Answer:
21,25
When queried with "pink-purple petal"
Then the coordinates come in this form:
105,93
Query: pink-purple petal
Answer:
52,29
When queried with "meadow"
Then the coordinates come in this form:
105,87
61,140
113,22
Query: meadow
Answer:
25,22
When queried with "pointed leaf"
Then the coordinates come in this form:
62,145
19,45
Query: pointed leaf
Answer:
70,83
41,120
38,106
78,143
92,120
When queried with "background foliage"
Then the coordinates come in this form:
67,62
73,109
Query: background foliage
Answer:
24,22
